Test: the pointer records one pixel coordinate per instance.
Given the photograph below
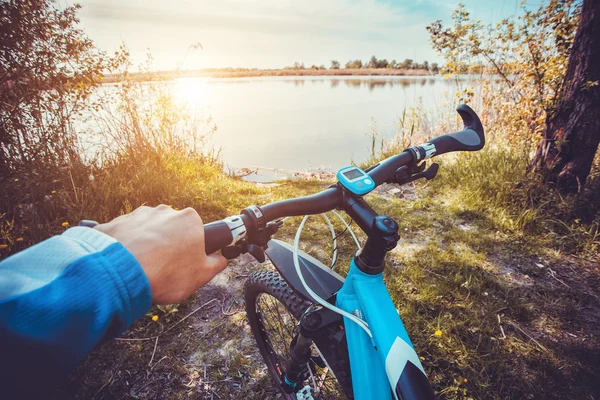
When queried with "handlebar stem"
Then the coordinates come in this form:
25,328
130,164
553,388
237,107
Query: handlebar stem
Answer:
383,238
358,209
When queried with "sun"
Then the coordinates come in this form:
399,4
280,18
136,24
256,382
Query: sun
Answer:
195,93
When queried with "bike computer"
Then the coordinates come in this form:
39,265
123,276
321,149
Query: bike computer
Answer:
355,180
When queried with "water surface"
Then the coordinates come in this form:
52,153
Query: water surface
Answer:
301,123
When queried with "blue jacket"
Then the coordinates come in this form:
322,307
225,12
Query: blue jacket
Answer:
59,299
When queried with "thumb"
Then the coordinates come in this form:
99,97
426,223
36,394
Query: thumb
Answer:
215,263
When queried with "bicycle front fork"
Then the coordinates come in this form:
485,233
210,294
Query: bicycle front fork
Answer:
310,324
296,370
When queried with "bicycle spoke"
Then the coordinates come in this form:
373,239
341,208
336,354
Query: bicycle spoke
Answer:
282,351
278,336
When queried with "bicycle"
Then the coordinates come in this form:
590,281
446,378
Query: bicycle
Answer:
322,336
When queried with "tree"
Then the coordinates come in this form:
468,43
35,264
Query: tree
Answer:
392,64
546,85
48,69
372,62
572,133
356,64
435,68
335,64
407,64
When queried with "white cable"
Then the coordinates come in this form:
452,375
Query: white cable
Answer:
348,227
334,236
317,298
334,257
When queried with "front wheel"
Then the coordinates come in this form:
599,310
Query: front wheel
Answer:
273,310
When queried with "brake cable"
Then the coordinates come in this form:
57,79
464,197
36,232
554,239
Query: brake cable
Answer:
316,297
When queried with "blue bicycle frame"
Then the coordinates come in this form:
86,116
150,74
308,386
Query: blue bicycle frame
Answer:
382,368
383,365
376,363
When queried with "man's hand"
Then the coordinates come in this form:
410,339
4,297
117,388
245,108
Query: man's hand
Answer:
169,245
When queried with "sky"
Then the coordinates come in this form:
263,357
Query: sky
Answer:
272,33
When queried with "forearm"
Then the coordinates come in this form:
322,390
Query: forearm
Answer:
62,297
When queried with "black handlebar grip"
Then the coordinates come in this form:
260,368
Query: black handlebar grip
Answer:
471,138
216,236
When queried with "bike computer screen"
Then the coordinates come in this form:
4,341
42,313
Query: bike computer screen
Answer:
355,180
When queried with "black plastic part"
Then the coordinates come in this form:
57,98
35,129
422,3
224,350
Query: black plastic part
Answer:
216,236
471,138
358,209
383,238
257,252
405,173
253,220
428,174
413,384
297,367
262,237
231,252
386,168
321,279
431,172
316,319
327,200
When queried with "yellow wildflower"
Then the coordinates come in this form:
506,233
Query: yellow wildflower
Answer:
155,318
65,224
438,333
19,239
53,192
3,246
422,358
465,380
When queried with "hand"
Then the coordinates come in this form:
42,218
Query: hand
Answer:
169,245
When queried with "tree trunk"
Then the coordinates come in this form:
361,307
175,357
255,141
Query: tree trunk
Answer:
566,153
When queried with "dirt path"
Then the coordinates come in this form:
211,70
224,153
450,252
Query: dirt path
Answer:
209,354
515,323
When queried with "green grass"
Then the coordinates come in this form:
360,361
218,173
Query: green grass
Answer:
467,265
37,203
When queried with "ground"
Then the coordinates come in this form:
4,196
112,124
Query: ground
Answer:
204,350
493,314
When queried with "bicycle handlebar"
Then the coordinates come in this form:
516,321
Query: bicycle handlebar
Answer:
471,138
217,235
220,234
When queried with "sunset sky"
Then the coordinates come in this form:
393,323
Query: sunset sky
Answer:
273,33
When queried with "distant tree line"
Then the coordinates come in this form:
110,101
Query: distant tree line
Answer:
374,63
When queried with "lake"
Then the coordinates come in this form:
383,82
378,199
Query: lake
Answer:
305,123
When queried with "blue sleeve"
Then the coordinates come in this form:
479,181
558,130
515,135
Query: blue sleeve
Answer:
60,298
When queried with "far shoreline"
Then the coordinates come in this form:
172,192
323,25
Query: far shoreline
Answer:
250,73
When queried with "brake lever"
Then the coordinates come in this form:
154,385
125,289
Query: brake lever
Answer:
405,172
257,252
428,174
231,252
